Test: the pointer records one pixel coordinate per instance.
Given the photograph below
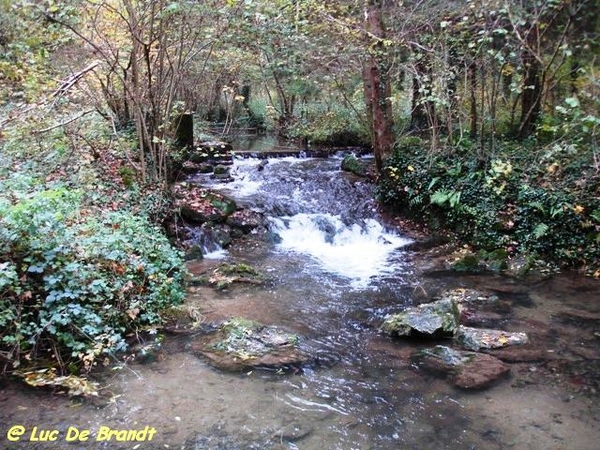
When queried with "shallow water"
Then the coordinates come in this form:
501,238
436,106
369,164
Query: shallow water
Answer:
360,390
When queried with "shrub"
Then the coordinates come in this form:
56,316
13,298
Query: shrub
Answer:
505,203
334,125
74,281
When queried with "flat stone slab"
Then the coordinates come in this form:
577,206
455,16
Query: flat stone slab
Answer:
485,339
462,295
437,319
240,344
465,370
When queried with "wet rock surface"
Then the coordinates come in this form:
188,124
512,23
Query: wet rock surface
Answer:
246,220
240,344
465,370
210,220
225,274
446,317
436,319
478,338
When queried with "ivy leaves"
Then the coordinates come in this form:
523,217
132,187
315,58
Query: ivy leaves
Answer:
70,281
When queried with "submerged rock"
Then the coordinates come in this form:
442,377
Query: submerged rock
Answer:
226,274
521,354
478,339
465,370
241,344
478,308
462,296
437,319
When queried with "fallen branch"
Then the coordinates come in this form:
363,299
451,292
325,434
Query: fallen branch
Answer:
72,80
62,90
62,124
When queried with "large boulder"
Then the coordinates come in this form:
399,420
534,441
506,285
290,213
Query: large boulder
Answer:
465,370
200,205
246,220
437,319
241,344
486,339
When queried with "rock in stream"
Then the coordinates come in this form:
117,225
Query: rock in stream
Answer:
465,370
241,344
437,319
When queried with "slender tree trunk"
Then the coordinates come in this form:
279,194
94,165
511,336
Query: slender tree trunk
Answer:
421,110
473,118
377,85
532,87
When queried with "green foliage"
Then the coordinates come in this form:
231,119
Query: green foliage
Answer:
26,43
509,204
74,281
334,124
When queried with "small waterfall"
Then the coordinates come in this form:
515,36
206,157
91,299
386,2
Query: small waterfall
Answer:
318,211
357,251
205,239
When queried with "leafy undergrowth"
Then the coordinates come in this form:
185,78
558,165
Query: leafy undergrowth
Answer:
540,205
83,264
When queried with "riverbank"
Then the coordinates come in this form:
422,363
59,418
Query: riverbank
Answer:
359,388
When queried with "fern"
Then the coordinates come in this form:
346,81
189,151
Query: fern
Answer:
540,230
443,196
440,197
417,200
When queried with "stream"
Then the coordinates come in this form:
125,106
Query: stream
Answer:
335,270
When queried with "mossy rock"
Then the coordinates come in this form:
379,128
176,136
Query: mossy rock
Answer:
467,263
226,274
437,319
241,344
352,164
201,205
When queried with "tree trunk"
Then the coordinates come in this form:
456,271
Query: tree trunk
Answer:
377,85
532,87
473,100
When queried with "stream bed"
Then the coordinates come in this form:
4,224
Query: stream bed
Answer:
334,271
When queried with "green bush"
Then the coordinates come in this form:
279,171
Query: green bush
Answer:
74,281
334,125
505,203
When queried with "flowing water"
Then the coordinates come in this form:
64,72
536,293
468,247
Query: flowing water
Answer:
334,272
